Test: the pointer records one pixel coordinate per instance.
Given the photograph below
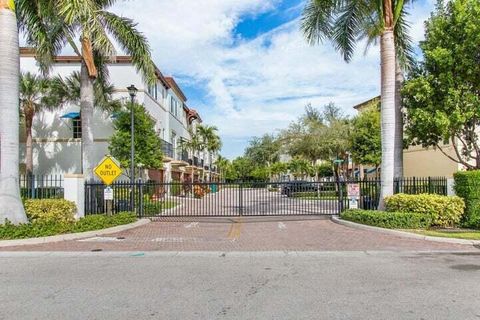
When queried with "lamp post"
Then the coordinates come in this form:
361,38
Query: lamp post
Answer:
132,91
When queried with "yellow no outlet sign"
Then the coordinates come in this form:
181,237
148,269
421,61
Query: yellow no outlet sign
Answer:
108,170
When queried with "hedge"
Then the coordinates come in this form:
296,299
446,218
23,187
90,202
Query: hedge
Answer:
389,220
445,211
467,186
50,228
46,210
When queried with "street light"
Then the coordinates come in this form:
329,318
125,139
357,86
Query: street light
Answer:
132,91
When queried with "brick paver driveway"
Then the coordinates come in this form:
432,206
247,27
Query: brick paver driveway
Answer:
245,234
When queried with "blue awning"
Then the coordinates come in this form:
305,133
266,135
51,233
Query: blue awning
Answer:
71,115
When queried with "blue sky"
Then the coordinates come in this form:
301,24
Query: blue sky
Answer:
245,66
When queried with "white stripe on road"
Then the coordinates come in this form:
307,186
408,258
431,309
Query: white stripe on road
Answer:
191,225
281,226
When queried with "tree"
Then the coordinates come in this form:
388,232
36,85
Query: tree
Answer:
194,145
322,137
94,25
223,164
442,96
210,140
242,168
148,153
299,167
365,139
345,23
278,168
33,99
263,151
11,207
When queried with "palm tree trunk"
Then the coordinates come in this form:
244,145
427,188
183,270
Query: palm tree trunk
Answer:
11,206
398,170
387,48
86,111
28,143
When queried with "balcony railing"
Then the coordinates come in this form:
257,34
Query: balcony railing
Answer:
167,148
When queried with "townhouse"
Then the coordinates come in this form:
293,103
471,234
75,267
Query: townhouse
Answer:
57,133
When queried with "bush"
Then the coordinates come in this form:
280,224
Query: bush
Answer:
50,210
49,228
390,220
467,186
445,211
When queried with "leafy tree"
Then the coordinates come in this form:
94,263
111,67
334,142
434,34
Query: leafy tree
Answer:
278,168
442,96
223,164
365,137
323,170
148,153
323,137
242,168
263,151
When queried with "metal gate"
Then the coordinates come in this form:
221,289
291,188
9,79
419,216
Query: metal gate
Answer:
257,198
214,199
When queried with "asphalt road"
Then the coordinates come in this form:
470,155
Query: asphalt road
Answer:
322,285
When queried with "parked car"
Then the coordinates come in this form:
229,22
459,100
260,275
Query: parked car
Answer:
298,186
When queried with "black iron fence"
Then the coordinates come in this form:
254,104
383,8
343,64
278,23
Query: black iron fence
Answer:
245,198
41,186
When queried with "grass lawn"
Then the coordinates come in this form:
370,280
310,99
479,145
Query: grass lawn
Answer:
458,234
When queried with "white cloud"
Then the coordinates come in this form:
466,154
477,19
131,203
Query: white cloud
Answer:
253,86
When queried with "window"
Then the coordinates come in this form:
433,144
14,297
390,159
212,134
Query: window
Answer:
153,91
172,105
77,128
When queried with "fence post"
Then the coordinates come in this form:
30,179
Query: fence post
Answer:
74,190
140,200
450,184
240,198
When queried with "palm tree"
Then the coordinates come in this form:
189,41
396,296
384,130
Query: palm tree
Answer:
11,207
222,163
210,140
345,22
33,99
94,24
67,91
193,145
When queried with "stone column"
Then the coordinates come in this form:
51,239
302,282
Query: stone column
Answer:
74,190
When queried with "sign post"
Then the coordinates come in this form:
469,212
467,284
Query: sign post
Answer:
108,170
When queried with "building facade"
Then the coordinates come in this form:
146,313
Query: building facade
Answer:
57,133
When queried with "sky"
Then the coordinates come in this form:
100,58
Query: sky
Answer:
245,66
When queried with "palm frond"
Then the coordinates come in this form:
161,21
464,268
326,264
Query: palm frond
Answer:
317,20
348,27
133,42
403,42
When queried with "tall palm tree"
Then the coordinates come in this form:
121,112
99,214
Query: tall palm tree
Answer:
90,20
33,99
222,163
345,22
11,207
193,145
210,140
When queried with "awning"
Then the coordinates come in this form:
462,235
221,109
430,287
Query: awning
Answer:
71,115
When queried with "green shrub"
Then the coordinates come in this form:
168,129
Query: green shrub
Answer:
49,228
46,210
467,186
390,220
445,211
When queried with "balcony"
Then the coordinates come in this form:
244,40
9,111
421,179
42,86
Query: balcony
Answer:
167,149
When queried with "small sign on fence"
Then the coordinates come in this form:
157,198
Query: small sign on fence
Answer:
108,193
353,194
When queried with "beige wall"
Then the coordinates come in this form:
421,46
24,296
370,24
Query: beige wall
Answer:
421,162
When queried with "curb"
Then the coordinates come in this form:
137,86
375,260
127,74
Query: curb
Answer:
403,234
72,236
